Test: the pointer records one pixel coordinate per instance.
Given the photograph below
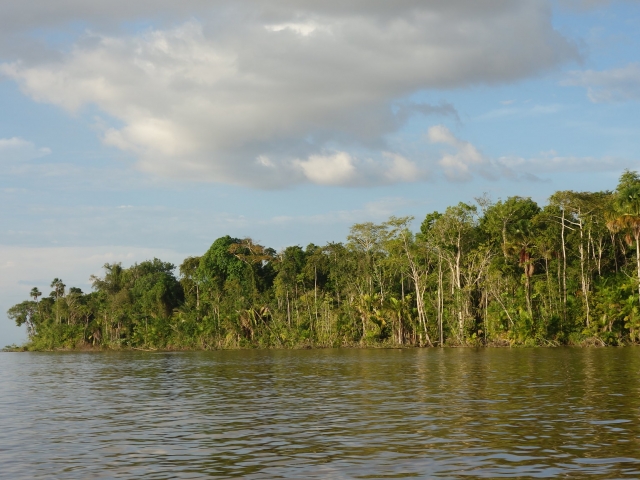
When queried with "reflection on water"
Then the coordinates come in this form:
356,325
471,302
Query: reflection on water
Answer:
322,414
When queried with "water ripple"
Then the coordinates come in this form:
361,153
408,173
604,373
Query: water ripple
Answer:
322,414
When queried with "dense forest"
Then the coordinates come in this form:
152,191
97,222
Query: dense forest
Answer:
503,273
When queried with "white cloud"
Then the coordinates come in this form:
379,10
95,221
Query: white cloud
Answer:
464,161
337,169
404,170
615,85
441,134
551,162
16,149
280,80
304,29
342,169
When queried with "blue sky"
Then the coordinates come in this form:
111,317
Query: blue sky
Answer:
128,132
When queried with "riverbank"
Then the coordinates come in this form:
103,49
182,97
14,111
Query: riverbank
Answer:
589,342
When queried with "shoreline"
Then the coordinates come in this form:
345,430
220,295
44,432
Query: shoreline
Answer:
591,342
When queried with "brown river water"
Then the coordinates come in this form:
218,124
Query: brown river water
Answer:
417,413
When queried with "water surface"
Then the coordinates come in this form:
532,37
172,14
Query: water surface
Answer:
452,413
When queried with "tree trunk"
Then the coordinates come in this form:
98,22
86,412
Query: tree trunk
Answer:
315,291
459,292
583,279
636,233
440,299
564,272
527,288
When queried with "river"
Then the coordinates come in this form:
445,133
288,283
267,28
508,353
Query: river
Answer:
416,413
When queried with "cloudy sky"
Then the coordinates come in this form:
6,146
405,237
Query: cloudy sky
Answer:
134,129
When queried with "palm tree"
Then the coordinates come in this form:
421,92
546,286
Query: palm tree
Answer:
58,290
625,216
399,310
35,293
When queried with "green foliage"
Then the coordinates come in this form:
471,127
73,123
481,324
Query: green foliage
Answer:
509,273
218,264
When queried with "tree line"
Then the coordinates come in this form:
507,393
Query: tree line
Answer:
488,273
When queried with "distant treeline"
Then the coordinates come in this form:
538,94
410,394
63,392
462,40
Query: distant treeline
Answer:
499,273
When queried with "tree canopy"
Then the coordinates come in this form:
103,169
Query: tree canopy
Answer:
496,273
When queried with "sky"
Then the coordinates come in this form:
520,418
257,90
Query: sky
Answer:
133,130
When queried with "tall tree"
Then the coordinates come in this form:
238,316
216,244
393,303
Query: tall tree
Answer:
58,292
625,216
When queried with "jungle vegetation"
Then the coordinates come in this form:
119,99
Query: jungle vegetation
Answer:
503,273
